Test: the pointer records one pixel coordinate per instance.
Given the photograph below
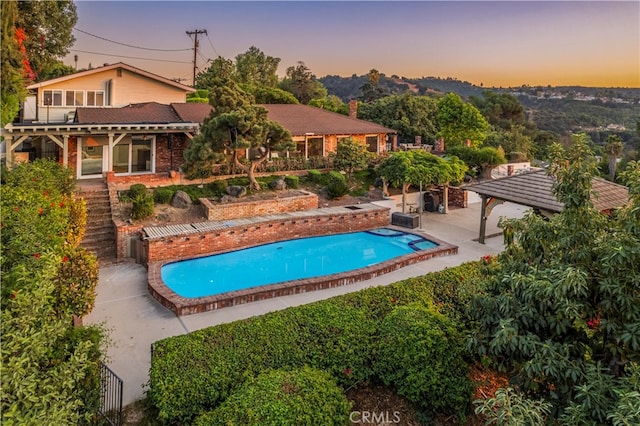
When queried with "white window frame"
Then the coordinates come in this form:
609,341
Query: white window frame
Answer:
95,96
52,93
75,98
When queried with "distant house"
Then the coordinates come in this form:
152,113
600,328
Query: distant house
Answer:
127,122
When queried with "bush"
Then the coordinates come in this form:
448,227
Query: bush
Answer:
292,181
302,396
142,207
315,176
421,355
337,188
219,187
162,195
136,190
193,373
76,282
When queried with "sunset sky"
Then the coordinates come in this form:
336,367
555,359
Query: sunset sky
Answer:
500,43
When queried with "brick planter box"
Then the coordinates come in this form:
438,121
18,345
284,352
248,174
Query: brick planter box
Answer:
299,201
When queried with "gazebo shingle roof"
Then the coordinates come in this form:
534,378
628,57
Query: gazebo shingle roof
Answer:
535,189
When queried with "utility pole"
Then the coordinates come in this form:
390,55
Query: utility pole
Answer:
195,49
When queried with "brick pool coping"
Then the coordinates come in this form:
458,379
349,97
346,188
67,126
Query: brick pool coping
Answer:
187,306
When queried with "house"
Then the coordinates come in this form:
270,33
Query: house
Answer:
118,120
49,127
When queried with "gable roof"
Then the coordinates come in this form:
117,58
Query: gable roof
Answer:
117,65
144,113
304,119
535,189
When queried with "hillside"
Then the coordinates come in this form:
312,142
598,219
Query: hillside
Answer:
560,110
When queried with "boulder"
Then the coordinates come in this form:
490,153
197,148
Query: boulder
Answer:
279,184
236,191
181,200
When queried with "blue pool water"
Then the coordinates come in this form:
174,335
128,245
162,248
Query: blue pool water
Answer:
288,260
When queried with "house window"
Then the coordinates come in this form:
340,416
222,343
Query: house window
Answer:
372,143
95,98
74,98
315,147
52,97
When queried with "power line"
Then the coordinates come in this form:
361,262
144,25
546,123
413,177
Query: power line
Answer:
131,57
129,45
211,44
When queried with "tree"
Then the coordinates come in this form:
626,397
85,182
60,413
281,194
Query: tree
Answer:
371,90
350,156
459,121
12,85
613,148
221,69
255,67
331,103
409,115
48,29
483,160
269,95
236,124
501,109
406,168
563,297
302,83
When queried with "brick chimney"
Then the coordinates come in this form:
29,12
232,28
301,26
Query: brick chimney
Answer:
353,108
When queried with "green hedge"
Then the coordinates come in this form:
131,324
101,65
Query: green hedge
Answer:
420,354
195,373
163,195
292,181
298,397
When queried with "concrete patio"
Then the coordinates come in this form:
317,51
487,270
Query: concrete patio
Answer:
135,320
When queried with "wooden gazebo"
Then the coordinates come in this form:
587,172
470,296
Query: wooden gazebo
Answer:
535,189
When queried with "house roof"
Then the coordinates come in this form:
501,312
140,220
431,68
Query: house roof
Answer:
298,119
143,113
304,119
112,67
535,189
192,112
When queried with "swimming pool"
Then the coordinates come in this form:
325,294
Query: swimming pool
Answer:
288,261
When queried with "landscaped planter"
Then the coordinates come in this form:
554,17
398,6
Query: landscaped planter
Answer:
291,201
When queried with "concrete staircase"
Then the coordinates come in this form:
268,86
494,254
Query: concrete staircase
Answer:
99,237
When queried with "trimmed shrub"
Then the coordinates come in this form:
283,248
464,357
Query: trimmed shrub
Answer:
136,190
162,195
142,207
315,176
337,189
219,186
194,373
421,355
304,396
292,181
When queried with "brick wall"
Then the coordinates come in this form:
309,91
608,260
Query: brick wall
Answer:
304,201
237,237
458,197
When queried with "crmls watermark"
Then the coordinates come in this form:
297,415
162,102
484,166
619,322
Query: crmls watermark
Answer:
375,417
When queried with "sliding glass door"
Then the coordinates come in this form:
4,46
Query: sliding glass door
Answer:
134,156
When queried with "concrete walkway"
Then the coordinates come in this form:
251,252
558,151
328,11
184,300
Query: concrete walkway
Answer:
135,320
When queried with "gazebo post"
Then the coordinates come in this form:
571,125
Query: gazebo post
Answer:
483,219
